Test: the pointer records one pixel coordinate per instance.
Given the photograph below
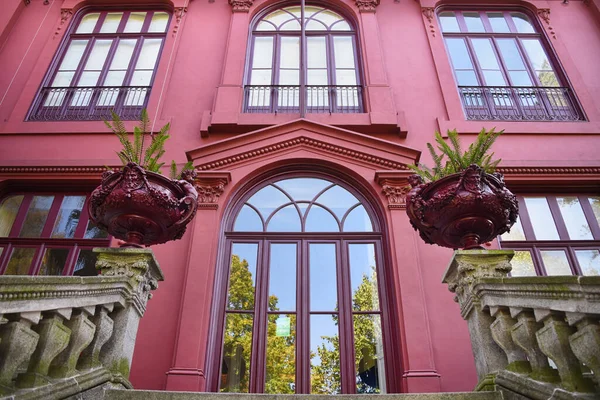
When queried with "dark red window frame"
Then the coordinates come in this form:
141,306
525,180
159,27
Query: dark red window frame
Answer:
94,110
75,244
564,243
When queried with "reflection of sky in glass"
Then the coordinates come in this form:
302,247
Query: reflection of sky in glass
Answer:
574,218
516,232
541,218
303,188
370,369
320,220
338,200
267,200
323,290
362,263
358,221
248,221
320,326
282,280
285,220
522,264
595,203
589,261
248,252
556,262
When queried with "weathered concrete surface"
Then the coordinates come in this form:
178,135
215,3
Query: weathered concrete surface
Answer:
160,395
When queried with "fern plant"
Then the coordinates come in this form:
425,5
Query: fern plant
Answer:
149,157
451,158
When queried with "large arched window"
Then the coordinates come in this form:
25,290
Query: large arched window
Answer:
332,76
304,306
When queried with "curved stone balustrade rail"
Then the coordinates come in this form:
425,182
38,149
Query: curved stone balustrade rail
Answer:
60,336
518,324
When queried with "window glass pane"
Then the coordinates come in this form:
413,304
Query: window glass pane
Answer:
485,54
547,78
159,22
510,54
53,262
141,78
68,217
358,221
317,77
516,232
292,25
320,220
267,200
123,54
589,261
323,287
466,78
20,261
73,55
111,23
541,218
345,77
368,349
363,277
98,55
341,26
88,22
86,264
344,51
242,276
290,52
114,78
522,264
278,17
458,53
62,79
36,216
473,22
316,52
235,366
498,22
328,17
338,199
574,218
260,77
281,354
556,262
448,22
313,25
536,54
135,22
289,77
493,78
94,232
248,221
88,78
265,26
9,209
522,23
595,203
324,355
150,49
282,277
263,52
520,78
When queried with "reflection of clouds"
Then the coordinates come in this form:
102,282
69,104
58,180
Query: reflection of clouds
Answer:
303,188
574,218
541,218
589,261
285,220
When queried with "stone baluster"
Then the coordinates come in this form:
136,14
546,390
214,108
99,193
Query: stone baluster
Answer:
82,333
140,266
54,338
585,343
523,334
466,267
502,334
553,339
18,342
90,357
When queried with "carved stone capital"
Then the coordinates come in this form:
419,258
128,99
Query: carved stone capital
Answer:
240,5
367,5
394,185
210,185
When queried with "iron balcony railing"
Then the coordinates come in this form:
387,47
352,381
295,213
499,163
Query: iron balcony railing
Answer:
89,103
319,99
524,103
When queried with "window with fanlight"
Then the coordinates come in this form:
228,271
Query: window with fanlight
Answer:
48,234
331,72
304,307
555,235
504,67
107,62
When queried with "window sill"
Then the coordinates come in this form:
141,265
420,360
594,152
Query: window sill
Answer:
521,127
369,123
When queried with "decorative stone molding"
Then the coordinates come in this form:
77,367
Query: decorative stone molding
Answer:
367,5
394,185
210,186
65,15
59,170
240,5
303,141
429,14
178,12
544,13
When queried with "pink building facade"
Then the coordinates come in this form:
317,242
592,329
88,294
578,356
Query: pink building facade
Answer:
301,165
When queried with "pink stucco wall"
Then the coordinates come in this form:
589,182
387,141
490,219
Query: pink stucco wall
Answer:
412,93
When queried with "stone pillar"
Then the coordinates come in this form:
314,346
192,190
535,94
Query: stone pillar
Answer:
144,273
90,357
585,343
501,332
82,333
465,268
18,342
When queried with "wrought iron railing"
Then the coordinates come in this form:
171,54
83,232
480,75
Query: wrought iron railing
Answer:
319,99
523,103
89,103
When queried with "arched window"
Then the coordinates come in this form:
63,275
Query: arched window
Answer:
331,71
303,310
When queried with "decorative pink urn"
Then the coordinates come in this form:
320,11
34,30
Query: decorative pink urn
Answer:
143,208
461,210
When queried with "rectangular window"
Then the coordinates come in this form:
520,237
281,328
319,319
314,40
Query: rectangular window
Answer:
107,63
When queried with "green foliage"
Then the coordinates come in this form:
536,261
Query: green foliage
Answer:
174,174
456,160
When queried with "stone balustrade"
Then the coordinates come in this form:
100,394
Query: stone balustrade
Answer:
60,336
518,324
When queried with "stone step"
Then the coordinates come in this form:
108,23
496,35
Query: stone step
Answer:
163,395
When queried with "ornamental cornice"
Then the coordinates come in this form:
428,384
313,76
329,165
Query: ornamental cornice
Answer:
394,185
549,170
367,5
307,142
240,5
210,185
65,15
55,170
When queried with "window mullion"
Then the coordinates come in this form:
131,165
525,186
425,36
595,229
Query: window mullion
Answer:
20,218
590,216
537,261
345,316
525,220
36,262
259,332
5,257
475,61
573,261
303,383
52,215
558,219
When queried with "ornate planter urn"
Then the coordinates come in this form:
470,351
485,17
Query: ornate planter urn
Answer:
461,210
142,207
